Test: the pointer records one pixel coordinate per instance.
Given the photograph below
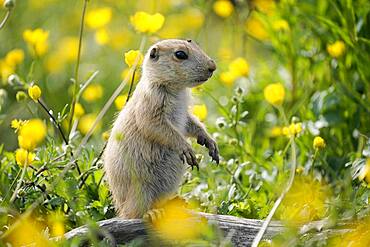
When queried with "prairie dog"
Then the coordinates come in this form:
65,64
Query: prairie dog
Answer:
146,153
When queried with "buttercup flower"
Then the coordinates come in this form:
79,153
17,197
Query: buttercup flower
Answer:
336,49
132,57
98,18
223,8
56,224
239,66
17,124
146,23
120,101
92,93
128,72
228,77
179,223
31,134
28,232
34,92
105,135
37,40
319,142
14,57
266,6
280,25
292,129
305,201
365,172
256,28
276,131
274,93
23,157
86,123
200,111
102,36
79,111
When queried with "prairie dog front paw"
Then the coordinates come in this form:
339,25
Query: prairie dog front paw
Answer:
211,144
189,155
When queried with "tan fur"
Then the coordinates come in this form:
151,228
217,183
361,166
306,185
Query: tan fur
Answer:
145,154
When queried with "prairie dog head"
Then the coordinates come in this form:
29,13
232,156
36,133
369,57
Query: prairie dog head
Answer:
177,64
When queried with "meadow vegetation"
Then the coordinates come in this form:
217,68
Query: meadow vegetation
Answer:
289,106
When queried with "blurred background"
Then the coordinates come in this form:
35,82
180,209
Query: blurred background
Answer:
284,68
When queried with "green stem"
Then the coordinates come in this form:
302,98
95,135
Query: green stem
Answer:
59,129
131,85
277,203
75,81
314,160
20,181
7,15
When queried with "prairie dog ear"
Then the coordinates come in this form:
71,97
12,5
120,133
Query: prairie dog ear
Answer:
154,53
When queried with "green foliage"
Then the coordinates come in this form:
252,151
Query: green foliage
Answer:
328,94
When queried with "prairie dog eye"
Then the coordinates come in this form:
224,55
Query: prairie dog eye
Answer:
181,55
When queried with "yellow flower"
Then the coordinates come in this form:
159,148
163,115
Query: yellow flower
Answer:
5,70
280,25
319,142
274,93
23,157
105,135
256,28
336,49
200,111
228,77
37,40
276,131
68,49
120,101
31,134
98,18
223,8
34,92
79,110
179,223
358,236
146,23
306,201
86,123
27,232
101,36
92,93
365,172
126,72
177,24
265,6
292,129
14,57
225,53
56,224
239,66
133,57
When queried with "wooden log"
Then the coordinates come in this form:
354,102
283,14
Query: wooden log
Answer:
241,231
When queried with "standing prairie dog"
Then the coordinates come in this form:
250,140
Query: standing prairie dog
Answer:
146,151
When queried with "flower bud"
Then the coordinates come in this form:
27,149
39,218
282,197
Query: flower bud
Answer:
233,141
34,92
9,4
14,80
20,96
239,91
319,142
221,123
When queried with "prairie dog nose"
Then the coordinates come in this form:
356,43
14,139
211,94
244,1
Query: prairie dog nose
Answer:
211,66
